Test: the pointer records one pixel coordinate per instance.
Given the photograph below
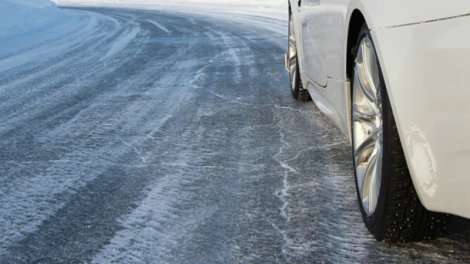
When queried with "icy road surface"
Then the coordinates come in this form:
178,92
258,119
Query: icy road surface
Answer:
156,137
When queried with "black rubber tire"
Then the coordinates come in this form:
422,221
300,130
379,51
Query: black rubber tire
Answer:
298,91
399,216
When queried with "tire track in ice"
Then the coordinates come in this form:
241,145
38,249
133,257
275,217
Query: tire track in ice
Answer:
158,25
43,187
52,74
138,96
156,229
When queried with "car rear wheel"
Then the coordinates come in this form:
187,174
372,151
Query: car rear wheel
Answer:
388,201
292,65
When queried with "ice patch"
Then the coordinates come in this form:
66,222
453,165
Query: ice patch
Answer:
122,42
161,27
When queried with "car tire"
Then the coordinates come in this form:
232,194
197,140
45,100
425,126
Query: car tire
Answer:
389,204
292,65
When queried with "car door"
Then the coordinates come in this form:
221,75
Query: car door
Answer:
312,30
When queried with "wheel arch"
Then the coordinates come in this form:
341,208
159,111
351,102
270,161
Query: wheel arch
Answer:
355,23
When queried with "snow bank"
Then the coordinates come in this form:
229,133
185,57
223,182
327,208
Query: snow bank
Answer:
23,16
27,24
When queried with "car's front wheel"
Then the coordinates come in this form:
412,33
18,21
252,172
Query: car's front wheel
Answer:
388,201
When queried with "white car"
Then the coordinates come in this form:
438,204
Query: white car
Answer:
394,76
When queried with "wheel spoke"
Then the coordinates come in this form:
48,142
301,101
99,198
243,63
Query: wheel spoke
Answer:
366,91
291,44
291,35
364,150
371,180
292,60
369,60
376,179
363,116
367,126
360,174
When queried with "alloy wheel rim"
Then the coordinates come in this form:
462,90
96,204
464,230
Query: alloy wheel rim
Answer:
292,55
367,126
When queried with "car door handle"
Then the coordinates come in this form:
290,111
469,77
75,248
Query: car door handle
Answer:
299,3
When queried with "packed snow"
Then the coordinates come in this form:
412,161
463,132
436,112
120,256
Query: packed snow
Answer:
156,3
25,24
268,8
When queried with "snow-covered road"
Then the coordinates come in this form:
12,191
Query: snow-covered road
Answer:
164,137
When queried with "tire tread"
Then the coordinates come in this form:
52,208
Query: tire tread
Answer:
406,219
300,93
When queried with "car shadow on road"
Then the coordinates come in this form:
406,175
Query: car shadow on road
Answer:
459,229
453,246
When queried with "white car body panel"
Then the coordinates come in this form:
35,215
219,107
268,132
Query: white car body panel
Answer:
402,12
431,103
424,51
312,40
